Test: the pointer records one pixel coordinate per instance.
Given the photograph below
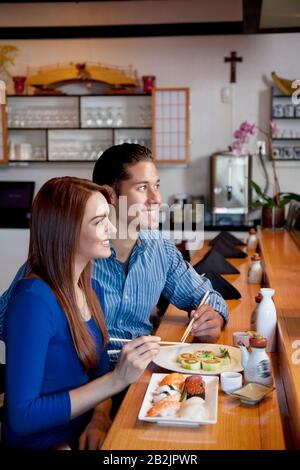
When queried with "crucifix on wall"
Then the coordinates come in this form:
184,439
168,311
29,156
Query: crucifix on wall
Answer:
233,59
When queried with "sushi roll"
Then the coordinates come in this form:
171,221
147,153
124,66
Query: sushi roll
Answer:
204,355
191,364
211,365
184,357
194,386
174,379
224,357
166,407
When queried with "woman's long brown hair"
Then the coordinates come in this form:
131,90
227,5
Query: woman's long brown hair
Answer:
56,219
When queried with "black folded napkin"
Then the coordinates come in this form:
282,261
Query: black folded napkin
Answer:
214,261
228,250
221,285
228,237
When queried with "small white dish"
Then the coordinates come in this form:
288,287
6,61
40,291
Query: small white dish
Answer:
252,393
231,381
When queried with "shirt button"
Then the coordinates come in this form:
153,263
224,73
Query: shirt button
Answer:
126,297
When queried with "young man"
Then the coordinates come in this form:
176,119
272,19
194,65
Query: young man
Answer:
143,264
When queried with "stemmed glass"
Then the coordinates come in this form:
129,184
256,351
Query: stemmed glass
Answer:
119,119
109,117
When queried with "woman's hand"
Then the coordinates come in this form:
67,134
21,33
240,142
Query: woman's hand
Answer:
134,359
95,432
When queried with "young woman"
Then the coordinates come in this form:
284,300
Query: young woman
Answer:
57,375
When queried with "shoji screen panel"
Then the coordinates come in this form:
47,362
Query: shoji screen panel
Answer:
170,134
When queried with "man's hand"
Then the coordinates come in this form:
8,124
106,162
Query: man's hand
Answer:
95,432
207,324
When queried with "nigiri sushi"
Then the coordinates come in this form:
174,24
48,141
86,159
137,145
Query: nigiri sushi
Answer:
194,386
166,407
165,391
193,409
174,379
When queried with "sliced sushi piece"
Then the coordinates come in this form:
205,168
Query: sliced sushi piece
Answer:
211,365
204,355
224,357
166,407
184,357
174,379
191,364
194,386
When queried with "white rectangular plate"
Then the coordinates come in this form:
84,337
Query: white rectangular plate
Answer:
211,402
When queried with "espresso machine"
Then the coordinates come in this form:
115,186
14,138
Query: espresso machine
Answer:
230,188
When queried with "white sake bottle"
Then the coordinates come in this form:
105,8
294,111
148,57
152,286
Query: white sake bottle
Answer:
256,271
258,299
266,318
252,240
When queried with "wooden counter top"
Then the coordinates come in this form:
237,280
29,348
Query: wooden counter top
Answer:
239,427
282,263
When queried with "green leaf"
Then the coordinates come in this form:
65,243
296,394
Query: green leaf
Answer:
183,394
290,196
257,188
259,192
257,204
224,352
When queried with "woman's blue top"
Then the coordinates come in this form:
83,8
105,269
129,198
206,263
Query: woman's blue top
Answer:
41,368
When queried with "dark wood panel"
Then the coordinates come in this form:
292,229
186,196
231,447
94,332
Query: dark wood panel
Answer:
121,31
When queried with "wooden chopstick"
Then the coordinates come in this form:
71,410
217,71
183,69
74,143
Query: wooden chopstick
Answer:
189,327
123,340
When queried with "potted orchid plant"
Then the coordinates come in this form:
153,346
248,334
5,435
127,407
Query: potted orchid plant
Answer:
272,205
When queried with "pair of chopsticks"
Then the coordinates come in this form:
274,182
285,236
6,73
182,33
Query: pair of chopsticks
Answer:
123,340
189,327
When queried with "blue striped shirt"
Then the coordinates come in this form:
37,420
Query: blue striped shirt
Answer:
155,267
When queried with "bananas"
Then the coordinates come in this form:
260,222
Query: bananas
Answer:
283,84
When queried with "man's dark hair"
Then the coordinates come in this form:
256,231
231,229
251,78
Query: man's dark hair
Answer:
112,167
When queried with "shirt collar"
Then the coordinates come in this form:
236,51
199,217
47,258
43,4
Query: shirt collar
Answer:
141,242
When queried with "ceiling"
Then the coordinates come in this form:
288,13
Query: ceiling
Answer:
148,18
280,14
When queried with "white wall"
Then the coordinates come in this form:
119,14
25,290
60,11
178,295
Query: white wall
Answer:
13,252
196,62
